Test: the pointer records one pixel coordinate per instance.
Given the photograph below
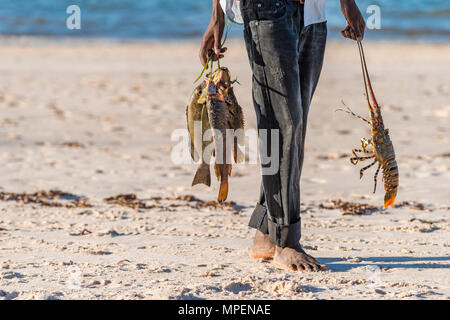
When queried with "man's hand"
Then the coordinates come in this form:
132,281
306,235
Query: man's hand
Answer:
213,35
355,21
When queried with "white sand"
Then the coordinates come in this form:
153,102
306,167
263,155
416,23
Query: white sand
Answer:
120,103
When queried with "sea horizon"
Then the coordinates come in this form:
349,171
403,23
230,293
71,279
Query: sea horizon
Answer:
409,20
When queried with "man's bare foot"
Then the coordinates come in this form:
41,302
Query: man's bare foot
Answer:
262,248
296,259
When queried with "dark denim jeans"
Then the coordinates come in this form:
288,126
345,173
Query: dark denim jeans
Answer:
286,59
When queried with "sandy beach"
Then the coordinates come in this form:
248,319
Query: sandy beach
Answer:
92,206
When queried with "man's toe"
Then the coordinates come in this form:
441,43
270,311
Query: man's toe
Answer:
315,267
323,267
300,267
306,267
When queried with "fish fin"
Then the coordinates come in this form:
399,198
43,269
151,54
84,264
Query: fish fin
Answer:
194,154
202,97
242,122
190,139
217,171
238,155
235,150
203,175
223,191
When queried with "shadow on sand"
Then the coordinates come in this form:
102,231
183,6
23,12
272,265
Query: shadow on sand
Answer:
335,265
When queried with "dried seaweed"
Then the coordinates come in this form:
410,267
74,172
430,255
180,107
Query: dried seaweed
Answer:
47,198
73,144
349,208
130,200
413,204
354,208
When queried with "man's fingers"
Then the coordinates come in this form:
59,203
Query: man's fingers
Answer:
216,42
217,57
220,54
205,50
351,33
346,33
208,48
202,57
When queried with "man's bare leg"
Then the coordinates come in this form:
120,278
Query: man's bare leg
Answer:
294,259
262,248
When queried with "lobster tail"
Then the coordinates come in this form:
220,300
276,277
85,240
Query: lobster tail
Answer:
390,177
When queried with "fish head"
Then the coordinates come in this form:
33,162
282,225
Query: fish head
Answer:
222,76
202,91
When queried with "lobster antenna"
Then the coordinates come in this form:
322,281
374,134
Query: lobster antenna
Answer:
367,74
372,115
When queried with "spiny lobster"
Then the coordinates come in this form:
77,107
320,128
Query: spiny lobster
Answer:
379,146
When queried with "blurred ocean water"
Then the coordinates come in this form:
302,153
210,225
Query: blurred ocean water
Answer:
175,19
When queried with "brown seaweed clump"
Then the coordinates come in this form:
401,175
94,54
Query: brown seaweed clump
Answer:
130,200
349,208
47,199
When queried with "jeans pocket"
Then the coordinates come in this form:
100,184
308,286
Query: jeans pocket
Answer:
270,10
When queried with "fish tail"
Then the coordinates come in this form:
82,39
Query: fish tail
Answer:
222,172
223,191
202,175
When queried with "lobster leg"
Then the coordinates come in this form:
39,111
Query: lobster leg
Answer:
365,143
375,178
361,151
354,160
361,172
